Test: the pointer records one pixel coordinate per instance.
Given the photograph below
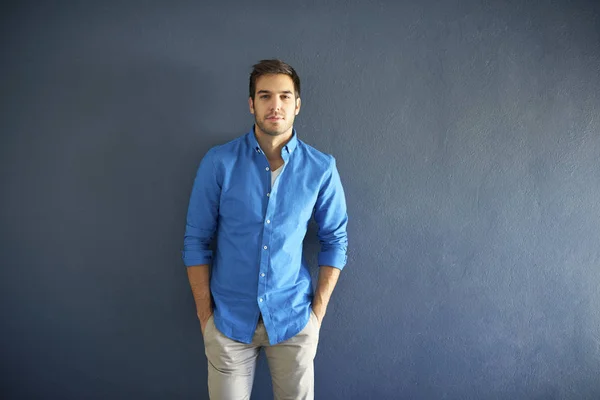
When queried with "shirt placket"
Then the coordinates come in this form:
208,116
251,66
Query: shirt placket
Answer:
266,239
268,226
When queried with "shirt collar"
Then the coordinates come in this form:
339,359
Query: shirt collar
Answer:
289,147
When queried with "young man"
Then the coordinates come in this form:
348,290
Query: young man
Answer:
257,194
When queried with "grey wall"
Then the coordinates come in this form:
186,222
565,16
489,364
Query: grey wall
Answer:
467,134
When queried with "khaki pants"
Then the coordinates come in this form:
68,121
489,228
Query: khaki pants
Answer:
231,364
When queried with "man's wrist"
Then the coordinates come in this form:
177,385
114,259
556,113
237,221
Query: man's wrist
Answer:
204,315
319,311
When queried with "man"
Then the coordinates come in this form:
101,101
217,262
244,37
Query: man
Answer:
257,194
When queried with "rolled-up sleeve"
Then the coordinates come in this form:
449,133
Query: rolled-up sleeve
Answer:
331,216
202,214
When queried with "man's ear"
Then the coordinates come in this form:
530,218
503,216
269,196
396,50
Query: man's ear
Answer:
251,105
298,105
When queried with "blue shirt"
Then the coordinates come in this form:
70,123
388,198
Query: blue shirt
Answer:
258,267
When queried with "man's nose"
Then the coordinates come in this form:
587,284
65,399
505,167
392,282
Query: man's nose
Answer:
276,104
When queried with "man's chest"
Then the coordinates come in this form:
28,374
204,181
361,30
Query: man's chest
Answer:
248,195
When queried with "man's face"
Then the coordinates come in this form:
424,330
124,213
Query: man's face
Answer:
274,106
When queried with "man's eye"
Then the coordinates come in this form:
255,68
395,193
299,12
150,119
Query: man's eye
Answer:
286,96
264,96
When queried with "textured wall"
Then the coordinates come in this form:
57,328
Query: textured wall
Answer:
467,134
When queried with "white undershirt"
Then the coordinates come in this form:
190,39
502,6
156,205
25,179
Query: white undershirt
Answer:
275,174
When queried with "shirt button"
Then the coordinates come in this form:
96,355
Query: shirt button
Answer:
263,274
265,247
261,300
268,221
268,194
266,169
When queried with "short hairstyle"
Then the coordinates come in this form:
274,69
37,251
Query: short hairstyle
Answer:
271,67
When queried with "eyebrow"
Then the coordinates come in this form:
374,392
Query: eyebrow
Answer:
269,92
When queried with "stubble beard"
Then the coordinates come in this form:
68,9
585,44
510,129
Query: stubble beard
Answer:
271,132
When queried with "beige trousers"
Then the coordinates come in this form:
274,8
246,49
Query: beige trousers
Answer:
231,364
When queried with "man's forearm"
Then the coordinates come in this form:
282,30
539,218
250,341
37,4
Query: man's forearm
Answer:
328,277
199,276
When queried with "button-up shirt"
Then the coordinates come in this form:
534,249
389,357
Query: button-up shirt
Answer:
258,268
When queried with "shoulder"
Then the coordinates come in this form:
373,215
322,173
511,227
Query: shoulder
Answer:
231,147
227,152
316,157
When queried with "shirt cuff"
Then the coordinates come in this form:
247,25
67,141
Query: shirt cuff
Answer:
333,258
196,257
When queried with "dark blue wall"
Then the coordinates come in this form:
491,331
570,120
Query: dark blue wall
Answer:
467,135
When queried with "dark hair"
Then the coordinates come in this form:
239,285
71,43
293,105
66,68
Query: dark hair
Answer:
270,67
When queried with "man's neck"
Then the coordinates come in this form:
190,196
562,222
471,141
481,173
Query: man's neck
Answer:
272,145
